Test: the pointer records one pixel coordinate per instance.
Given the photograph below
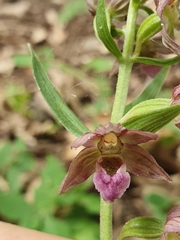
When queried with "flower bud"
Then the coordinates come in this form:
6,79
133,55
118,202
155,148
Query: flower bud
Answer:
117,8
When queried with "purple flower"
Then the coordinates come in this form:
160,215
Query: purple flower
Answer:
172,225
110,151
176,100
169,13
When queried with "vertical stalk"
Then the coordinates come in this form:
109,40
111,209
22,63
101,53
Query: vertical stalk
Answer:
119,104
125,67
105,220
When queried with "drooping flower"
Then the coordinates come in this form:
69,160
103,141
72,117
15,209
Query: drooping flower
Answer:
169,13
110,151
176,100
172,225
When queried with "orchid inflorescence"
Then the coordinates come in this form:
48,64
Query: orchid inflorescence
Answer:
111,152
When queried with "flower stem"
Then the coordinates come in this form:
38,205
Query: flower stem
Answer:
125,67
105,220
119,104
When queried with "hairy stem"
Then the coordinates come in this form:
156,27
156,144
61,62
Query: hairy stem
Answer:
105,220
125,67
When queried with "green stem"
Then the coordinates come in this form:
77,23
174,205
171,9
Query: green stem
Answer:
125,67
119,104
105,220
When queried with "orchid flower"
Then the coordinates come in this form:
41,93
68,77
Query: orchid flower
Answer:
111,151
172,225
169,13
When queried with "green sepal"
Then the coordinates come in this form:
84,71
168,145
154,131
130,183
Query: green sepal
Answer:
148,28
150,115
102,29
60,109
151,91
156,62
142,227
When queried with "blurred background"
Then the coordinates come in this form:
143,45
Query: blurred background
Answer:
35,149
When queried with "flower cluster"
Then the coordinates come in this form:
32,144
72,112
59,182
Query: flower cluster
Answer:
111,151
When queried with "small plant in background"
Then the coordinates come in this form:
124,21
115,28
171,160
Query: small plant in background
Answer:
112,149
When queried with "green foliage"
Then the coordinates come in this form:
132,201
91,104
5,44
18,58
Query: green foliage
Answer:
142,227
151,91
102,30
150,115
71,9
62,112
66,215
99,65
22,60
148,28
159,205
17,97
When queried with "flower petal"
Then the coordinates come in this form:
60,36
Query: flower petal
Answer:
176,100
113,187
87,140
141,163
173,220
167,40
110,127
80,169
136,137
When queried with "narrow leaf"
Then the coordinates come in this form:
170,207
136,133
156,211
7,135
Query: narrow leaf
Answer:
60,109
102,29
151,90
156,62
150,115
142,227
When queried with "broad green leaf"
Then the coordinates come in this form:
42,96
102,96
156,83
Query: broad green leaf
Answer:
60,109
14,179
151,90
51,176
142,227
102,29
14,207
57,227
5,159
148,28
150,115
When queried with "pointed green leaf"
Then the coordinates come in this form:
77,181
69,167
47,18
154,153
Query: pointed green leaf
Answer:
148,28
150,115
102,29
151,90
156,62
60,109
142,227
